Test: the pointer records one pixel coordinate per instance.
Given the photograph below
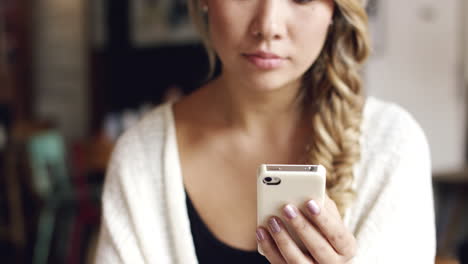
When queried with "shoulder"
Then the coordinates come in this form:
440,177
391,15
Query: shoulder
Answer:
392,180
390,128
134,169
147,136
135,182
392,142
394,153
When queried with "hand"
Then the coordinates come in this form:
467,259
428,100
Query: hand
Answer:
321,230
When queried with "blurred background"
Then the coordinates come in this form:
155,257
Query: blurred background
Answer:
75,74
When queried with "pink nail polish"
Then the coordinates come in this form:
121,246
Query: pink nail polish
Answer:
274,225
289,211
260,235
313,207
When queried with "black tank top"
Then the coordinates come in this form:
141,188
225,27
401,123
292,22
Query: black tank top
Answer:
210,250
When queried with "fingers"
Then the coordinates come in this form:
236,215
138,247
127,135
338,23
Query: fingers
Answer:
268,247
328,221
313,240
320,229
286,246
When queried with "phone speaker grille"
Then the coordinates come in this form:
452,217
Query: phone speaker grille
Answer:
312,168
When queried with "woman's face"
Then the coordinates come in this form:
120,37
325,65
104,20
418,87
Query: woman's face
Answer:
268,43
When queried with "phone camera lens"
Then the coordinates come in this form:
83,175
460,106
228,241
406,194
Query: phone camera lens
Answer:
268,179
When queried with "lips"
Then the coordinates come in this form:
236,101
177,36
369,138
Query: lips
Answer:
265,60
265,55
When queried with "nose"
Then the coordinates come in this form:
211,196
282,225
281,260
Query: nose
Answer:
268,22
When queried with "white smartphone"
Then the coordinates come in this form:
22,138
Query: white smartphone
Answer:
281,184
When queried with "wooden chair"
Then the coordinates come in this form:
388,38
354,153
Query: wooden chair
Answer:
446,260
51,181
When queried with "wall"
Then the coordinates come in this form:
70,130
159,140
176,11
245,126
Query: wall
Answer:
465,44
420,67
60,64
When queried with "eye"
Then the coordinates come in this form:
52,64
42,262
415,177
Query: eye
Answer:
303,2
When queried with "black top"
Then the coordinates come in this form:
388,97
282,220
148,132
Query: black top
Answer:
210,250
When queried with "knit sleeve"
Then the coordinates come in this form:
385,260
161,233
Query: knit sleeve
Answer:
134,224
117,242
399,224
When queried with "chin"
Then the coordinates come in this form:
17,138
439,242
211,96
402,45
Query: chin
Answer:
263,81
266,86
272,81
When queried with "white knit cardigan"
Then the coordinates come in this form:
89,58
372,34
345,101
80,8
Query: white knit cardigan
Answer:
145,217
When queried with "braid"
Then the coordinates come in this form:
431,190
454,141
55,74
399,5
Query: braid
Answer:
335,88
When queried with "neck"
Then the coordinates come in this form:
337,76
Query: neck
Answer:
254,110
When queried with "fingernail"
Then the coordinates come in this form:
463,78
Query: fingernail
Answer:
274,225
289,211
313,207
260,234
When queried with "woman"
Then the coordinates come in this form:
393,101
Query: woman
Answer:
180,187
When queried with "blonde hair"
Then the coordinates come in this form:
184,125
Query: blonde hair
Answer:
332,90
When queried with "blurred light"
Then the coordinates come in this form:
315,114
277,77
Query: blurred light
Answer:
3,137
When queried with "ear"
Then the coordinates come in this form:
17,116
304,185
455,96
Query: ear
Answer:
204,6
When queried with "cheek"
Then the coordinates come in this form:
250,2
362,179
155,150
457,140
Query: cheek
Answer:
225,28
309,40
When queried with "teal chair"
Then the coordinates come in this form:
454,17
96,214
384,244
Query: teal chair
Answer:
51,181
